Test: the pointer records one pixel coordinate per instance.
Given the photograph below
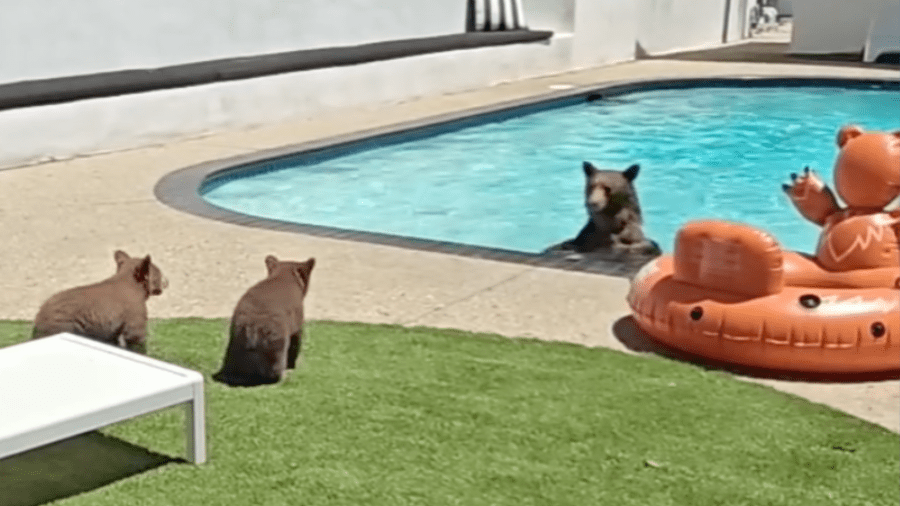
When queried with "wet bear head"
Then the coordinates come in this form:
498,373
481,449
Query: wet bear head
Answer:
606,192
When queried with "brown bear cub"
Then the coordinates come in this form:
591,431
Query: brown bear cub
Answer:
267,326
113,311
614,215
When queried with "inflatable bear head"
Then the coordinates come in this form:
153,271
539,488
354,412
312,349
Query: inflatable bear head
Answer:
867,170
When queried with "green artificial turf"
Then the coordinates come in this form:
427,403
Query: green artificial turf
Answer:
395,416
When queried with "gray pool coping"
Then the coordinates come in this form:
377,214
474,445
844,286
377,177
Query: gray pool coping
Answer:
181,189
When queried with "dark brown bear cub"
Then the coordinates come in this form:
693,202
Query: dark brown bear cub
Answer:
267,326
113,311
614,215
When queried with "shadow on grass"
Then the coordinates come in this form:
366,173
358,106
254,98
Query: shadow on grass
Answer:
70,467
630,334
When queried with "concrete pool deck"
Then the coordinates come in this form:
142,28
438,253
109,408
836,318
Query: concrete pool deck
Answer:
63,220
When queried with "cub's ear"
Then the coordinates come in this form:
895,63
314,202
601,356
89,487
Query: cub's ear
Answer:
846,133
271,263
631,172
142,271
120,256
305,270
589,168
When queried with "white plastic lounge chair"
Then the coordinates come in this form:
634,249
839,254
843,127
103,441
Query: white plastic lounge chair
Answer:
57,387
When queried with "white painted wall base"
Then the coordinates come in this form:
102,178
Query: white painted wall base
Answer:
43,133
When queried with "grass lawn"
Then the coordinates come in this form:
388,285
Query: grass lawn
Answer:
394,416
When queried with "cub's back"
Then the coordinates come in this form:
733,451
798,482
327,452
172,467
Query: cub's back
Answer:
95,309
271,297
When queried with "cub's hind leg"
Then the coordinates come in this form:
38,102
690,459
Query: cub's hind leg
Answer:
293,352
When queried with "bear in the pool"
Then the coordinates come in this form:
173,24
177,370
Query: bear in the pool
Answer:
614,222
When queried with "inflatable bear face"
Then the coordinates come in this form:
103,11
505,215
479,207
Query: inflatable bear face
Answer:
867,170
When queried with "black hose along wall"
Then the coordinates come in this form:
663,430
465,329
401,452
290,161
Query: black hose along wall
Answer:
107,84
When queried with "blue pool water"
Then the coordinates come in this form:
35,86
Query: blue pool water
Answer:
517,183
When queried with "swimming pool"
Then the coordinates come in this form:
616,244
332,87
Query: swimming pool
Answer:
514,182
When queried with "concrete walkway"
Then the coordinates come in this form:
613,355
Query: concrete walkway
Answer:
63,220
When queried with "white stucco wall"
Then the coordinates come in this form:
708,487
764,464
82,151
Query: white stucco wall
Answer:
785,7
832,26
555,15
53,38
605,31
738,22
58,38
34,134
670,25
884,35
48,38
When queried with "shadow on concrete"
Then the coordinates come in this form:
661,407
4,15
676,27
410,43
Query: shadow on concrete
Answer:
766,52
71,467
632,337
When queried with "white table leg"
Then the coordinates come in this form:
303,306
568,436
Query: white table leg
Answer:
195,426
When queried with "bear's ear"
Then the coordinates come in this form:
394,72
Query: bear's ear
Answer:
271,263
846,133
589,169
631,172
305,270
120,257
142,271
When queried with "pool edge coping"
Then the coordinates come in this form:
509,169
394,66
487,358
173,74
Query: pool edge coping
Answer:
180,189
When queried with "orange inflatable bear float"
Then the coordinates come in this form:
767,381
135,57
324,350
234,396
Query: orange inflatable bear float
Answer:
730,293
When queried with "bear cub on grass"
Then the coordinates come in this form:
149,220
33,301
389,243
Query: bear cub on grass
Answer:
113,311
267,326
614,215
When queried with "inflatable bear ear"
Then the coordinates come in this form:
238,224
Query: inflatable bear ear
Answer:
846,133
631,172
271,263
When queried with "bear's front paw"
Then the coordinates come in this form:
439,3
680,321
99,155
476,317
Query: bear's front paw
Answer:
645,247
811,196
651,248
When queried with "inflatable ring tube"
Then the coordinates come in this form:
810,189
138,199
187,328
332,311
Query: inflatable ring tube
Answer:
724,296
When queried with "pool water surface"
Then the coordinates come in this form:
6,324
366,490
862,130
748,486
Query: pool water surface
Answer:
517,183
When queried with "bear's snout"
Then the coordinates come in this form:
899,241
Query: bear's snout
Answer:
163,284
596,202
